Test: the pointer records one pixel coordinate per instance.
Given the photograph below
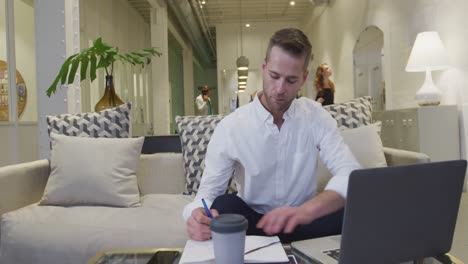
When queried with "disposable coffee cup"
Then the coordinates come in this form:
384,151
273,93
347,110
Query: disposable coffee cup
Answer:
228,232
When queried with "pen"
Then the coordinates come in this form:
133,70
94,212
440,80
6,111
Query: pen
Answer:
207,211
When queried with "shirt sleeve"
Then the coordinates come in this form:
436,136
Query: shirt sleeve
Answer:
336,155
218,169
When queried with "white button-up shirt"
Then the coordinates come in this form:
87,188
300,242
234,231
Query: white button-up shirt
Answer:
274,167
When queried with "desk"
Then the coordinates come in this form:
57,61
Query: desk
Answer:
138,256
172,256
160,256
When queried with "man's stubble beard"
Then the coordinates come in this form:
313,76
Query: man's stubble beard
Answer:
271,105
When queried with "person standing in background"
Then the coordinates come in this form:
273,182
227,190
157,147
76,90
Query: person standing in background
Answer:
325,87
203,101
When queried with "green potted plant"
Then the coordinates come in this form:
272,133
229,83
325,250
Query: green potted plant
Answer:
100,55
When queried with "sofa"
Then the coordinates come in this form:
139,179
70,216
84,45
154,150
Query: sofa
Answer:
167,171
49,234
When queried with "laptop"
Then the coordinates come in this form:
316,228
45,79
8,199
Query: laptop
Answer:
393,215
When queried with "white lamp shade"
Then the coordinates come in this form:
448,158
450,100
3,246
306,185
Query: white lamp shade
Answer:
428,53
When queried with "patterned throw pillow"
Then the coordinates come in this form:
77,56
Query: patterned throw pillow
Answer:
109,123
195,133
352,114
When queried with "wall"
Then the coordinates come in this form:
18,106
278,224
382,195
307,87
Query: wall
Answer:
19,143
334,30
118,24
25,149
228,48
25,52
334,35
176,80
161,25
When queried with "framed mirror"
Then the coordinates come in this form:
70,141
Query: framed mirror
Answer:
368,66
20,89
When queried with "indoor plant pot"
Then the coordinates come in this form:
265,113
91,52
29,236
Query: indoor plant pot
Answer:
100,55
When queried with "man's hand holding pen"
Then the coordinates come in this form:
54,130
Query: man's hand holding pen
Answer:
198,224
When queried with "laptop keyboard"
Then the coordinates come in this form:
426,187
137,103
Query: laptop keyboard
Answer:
333,253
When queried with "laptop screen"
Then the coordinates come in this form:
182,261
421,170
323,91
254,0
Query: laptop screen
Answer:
402,213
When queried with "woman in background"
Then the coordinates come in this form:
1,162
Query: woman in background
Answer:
325,87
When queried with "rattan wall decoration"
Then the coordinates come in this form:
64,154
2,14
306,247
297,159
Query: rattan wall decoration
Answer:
20,89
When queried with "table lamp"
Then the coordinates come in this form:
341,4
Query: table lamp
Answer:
428,54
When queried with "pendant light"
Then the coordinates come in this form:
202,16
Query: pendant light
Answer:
242,62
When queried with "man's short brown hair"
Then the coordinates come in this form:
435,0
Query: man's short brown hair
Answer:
293,41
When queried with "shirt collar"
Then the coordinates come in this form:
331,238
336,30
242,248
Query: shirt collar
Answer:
260,110
291,110
265,115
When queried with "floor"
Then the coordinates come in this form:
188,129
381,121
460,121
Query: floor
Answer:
460,241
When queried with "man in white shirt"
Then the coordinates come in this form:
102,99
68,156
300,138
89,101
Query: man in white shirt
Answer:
272,146
203,101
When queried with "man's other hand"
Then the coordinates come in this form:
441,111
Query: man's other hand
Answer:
286,219
206,97
198,224
283,219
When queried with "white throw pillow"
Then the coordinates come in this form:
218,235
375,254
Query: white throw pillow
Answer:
366,145
93,171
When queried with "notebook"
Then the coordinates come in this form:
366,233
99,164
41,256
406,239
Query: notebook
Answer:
394,214
203,252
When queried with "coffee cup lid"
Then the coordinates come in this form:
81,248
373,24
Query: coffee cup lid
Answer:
229,223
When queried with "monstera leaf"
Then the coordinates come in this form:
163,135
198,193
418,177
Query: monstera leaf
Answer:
100,55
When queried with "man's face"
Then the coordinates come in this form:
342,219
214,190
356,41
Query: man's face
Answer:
283,76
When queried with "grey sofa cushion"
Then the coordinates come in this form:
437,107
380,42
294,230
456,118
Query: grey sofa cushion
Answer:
53,234
161,173
93,171
366,145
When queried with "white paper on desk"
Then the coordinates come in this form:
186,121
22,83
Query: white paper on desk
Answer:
271,254
203,252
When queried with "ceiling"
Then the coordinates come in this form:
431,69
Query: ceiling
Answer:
251,11
233,11
209,13
143,7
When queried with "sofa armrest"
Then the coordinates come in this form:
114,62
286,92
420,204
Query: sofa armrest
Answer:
22,184
395,157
